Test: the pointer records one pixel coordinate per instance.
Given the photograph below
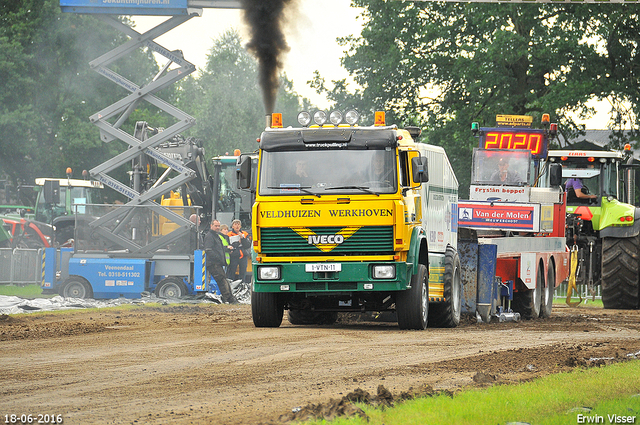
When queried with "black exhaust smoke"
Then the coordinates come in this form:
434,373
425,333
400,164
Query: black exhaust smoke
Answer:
265,19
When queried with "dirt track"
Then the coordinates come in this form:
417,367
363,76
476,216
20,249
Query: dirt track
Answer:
208,364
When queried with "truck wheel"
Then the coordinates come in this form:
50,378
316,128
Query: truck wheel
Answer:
547,295
266,309
308,317
76,287
620,270
527,302
171,287
447,314
412,305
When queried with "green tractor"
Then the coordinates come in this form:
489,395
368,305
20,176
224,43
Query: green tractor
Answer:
603,224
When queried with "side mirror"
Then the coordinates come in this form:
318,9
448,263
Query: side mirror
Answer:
555,175
52,192
243,172
419,170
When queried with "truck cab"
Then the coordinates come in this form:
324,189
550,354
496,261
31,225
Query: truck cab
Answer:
516,203
351,218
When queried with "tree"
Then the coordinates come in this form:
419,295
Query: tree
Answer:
48,91
226,100
444,65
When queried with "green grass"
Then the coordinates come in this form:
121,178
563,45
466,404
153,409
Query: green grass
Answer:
586,302
27,291
555,399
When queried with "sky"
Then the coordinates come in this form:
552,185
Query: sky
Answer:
311,37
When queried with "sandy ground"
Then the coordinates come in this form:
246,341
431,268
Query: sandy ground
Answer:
208,364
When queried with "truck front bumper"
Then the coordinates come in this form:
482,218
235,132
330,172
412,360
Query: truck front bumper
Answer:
351,277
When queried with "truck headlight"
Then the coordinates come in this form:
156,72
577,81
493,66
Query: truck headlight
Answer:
269,272
320,117
304,118
384,271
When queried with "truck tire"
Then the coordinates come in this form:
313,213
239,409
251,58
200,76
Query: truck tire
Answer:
308,317
528,302
447,313
412,305
171,287
547,295
266,309
620,270
76,287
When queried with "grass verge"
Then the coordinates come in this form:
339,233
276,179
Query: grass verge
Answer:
596,395
27,291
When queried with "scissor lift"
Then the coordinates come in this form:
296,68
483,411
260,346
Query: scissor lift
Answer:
141,246
110,119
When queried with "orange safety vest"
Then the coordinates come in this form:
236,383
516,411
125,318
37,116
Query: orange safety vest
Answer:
246,235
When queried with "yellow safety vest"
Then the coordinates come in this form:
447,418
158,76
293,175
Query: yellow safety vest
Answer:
225,244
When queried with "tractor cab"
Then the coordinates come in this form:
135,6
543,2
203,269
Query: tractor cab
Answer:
597,171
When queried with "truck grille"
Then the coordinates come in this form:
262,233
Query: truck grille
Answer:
372,240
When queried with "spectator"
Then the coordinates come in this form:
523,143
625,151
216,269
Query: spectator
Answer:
216,259
197,236
241,242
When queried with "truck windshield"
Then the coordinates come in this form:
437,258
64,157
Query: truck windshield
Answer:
588,174
328,172
501,167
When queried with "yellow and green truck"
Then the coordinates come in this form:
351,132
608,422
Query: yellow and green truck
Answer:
351,218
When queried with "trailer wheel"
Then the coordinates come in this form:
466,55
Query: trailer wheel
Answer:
447,314
76,287
171,287
527,302
266,309
412,305
308,317
620,270
547,294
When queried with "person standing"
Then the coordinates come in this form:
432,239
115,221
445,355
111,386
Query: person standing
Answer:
216,261
241,243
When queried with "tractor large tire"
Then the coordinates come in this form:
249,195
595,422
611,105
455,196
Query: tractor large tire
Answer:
412,305
620,271
447,314
266,309
308,317
528,302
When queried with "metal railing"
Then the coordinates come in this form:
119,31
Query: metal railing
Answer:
20,266
583,290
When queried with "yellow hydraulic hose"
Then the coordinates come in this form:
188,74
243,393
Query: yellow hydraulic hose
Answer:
572,278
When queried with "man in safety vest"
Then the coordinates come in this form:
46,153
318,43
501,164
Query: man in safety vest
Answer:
241,241
216,260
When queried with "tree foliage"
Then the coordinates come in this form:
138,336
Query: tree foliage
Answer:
444,65
48,91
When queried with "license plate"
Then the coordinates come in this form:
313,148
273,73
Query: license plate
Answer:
323,267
